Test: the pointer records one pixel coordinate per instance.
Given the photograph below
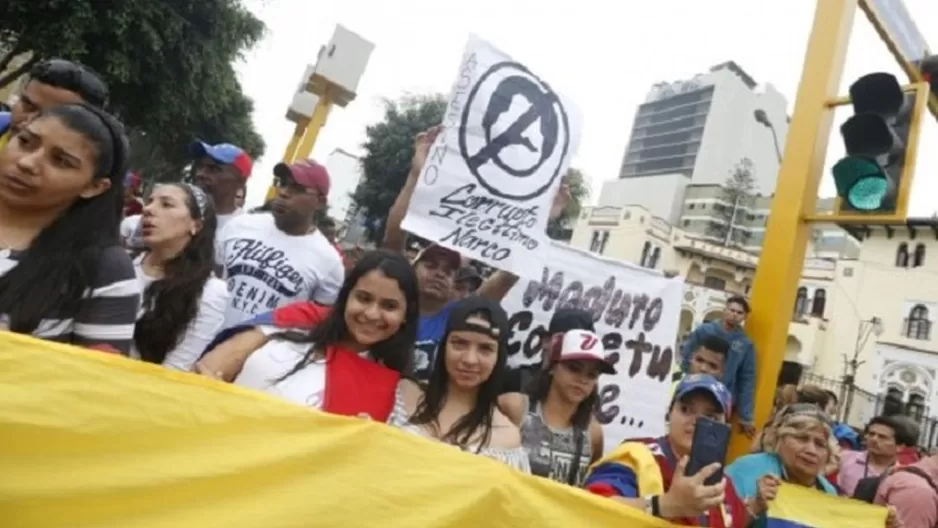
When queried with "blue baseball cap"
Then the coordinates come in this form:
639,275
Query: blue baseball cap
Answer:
224,153
709,385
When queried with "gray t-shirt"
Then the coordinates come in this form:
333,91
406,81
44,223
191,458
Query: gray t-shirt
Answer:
552,451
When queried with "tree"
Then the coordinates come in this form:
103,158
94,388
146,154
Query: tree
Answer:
168,64
389,149
736,195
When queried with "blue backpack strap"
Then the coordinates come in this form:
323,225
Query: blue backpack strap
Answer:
5,119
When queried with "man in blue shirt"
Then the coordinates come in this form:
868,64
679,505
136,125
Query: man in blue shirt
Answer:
739,369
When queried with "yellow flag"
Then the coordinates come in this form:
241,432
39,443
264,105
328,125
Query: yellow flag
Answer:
91,440
801,507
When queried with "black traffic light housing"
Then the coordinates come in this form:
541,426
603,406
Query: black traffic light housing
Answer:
875,139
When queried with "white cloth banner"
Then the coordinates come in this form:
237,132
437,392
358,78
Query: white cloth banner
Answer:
635,310
491,175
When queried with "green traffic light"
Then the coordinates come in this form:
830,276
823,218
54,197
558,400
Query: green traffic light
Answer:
861,182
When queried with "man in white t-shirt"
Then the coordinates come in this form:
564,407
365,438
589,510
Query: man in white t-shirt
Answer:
221,171
273,259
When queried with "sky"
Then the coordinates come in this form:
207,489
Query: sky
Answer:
603,55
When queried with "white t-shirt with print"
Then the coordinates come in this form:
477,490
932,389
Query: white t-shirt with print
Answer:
266,268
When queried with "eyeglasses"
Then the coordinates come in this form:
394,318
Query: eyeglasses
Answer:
78,77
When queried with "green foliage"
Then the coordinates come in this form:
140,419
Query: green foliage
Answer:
168,64
389,147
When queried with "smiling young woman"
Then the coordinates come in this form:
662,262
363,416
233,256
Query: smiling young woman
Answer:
353,360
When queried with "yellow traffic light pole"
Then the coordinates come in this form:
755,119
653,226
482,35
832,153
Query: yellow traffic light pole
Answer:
304,137
787,234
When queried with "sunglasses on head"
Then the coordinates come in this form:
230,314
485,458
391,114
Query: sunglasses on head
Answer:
806,409
88,83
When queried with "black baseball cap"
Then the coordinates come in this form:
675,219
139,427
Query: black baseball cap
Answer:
566,319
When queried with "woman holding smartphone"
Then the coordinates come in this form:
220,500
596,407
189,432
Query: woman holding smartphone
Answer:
651,473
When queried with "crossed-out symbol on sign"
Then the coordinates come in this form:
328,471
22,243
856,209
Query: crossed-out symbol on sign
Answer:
545,107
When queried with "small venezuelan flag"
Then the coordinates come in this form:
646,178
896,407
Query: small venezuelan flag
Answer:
800,507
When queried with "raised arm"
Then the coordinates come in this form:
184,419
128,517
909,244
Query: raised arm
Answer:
394,237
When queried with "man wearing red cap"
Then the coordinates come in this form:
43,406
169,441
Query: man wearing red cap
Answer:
276,258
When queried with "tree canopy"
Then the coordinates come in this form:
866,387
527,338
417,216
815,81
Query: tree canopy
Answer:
389,148
168,64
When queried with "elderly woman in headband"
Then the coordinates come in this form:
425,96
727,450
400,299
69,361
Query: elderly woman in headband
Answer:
800,448
183,303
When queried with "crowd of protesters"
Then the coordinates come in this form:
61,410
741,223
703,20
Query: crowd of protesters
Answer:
181,276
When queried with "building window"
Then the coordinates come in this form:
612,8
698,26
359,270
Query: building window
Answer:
655,257
646,250
603,242
801,301
893,403
714,283
918,257
917,325
685,223
916,407
594,242
820,299
902,256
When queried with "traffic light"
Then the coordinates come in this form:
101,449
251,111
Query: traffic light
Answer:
876,139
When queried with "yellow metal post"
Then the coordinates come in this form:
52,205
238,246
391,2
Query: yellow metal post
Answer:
289,154
316,123
786,237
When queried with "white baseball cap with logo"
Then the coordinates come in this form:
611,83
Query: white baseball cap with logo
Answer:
583,345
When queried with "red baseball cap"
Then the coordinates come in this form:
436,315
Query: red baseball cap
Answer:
307,173
436,251
582,345
226,154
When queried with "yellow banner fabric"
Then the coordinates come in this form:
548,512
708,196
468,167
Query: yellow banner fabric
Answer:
91,440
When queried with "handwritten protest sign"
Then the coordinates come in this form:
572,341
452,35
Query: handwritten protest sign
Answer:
635,310
492,173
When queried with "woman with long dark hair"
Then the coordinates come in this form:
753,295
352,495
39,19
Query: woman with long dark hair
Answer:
556,415
183,304
458,406
63,274
351,363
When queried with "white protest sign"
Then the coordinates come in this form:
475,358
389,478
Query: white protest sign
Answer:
635,310
491,175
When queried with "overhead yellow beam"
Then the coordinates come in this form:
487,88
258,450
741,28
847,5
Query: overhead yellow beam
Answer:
787,236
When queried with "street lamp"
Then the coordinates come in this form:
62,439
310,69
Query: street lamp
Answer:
763,119
866,328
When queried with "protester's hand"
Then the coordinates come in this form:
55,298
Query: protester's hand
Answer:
748,429
203,369
892,519
561,200
766,491
689,496
422,144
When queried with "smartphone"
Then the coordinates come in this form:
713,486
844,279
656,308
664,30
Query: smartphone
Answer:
711,440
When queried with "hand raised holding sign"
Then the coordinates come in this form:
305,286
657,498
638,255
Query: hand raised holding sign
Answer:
561,200
422,144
